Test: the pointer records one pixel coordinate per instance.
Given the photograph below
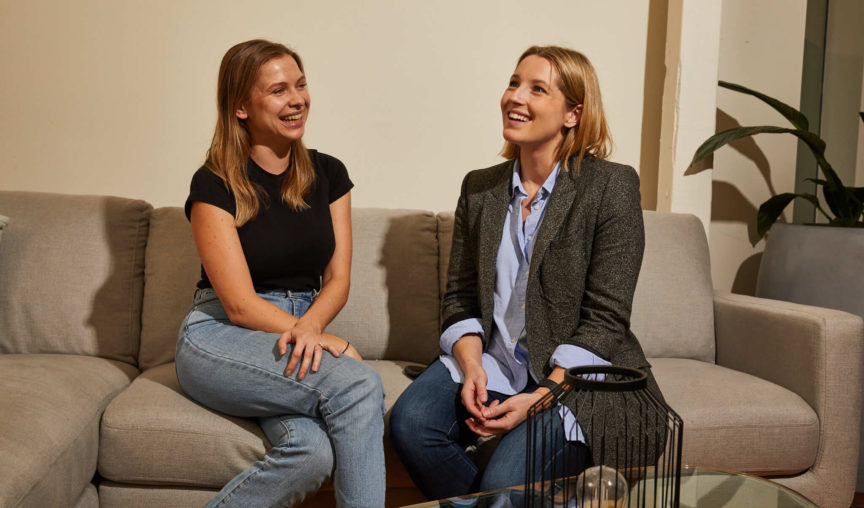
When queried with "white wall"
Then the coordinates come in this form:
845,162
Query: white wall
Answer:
761,47
117,97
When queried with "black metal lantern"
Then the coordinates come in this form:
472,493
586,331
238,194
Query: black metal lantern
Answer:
633,436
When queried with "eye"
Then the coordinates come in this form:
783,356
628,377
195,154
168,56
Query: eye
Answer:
513,83
278,91
538,89
302,84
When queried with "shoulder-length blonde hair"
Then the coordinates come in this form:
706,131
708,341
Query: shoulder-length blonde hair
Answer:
578,81
229,151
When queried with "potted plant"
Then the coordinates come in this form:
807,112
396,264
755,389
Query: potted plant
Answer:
845,203
809,264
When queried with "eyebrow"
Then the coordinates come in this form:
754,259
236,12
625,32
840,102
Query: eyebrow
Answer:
536,81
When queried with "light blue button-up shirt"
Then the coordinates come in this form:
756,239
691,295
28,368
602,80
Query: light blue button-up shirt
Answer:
506,359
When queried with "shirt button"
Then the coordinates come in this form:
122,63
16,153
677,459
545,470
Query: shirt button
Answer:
530,237
523,307
513,340
536,207
527,272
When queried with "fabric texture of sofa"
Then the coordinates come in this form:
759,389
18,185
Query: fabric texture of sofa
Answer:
93,290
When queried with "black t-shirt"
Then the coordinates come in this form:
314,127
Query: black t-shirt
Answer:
283,248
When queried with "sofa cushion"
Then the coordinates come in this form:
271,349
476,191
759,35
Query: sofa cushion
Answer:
50,424
82,257
152,433
737,421
3,222
673,307
392,311
171,270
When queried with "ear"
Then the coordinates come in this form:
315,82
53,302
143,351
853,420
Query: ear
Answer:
573,116
241,113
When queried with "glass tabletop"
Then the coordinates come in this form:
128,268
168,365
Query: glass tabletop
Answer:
700,488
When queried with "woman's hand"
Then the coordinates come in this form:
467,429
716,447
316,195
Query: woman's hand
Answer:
309,346
474,394
504,417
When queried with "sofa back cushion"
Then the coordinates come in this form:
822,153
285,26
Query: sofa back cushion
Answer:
71,274
392,309
673,309
171,271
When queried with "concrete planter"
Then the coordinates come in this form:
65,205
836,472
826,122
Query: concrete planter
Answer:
816,265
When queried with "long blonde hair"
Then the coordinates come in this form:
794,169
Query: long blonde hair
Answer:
578,81
229,151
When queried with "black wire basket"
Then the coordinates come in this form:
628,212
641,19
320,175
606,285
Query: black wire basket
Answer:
634,440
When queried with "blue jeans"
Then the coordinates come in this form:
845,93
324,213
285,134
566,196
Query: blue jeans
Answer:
333,416
428,431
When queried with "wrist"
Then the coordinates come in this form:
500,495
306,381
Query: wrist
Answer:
310,325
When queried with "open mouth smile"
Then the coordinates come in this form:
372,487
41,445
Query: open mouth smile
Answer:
512,115
291,118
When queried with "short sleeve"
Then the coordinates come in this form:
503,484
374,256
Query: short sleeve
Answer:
209,188
336,174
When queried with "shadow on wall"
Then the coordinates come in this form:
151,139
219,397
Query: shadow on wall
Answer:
728,203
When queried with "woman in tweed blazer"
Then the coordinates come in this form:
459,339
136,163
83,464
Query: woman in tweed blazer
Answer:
546,252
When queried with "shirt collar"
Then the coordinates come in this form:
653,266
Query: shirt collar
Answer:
545,189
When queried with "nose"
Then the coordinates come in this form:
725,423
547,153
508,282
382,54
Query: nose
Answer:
296,97
517,95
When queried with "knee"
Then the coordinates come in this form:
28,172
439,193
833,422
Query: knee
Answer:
317,458
407,419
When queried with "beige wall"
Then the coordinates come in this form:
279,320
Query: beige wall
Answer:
117,97
761,47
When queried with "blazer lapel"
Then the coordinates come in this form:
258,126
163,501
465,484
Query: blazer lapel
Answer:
560,203
492,217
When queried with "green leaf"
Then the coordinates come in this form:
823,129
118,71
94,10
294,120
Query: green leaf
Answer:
817,181
814,142
793,115
770,210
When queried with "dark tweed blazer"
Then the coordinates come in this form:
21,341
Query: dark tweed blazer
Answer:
583,271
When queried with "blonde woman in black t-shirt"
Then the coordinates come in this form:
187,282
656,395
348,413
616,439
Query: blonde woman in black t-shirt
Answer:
272,225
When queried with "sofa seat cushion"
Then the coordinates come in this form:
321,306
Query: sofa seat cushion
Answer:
50,424
153,434
736,421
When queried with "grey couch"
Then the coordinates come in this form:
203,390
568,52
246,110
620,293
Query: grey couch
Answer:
93,289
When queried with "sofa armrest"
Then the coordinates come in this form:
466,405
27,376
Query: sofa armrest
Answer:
814,352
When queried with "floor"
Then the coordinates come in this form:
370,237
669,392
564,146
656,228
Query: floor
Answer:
858,500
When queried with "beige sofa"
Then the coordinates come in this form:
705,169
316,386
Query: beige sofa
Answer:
93,289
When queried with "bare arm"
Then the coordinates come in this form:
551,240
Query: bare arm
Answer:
334,293
222,256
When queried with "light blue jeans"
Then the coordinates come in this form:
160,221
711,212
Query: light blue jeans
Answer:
332,417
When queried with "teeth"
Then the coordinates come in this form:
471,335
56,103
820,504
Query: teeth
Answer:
517,117
292,118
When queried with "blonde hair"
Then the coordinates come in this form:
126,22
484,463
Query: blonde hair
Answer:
578,81
229,151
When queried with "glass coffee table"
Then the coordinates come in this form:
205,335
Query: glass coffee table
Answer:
700,488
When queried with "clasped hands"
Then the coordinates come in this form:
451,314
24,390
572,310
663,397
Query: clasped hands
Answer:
309,346
496,417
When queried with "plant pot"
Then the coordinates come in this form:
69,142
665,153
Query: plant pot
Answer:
816,265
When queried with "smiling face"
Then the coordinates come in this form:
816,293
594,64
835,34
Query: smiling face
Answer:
275,113
533,107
